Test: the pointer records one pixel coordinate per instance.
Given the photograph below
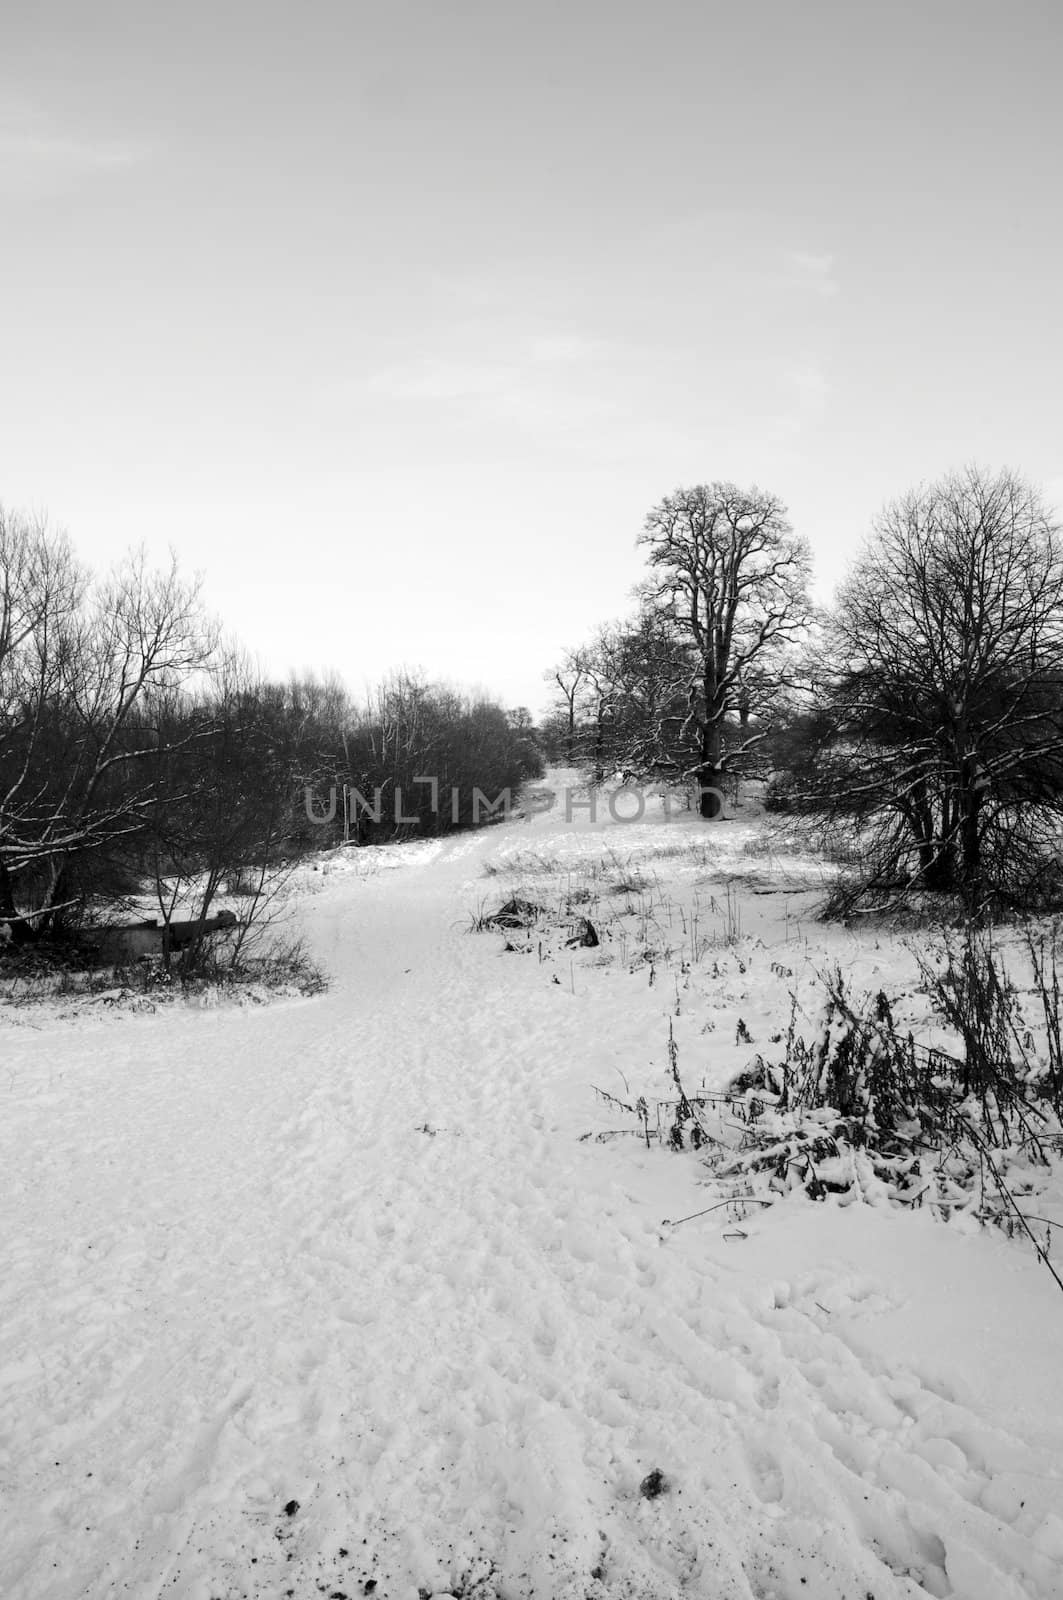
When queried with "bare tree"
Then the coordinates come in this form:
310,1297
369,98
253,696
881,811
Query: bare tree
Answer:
632,695
79,667
947,700
223,803
41,591
599,694
731,577
571,678
143,633
651,664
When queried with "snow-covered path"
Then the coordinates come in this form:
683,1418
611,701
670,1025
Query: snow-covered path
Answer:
328,1298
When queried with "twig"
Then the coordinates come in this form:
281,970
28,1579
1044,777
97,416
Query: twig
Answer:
735,1200
614,1100
1047,1221
1010,1200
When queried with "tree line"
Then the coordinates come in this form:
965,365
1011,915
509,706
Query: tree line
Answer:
138,748
924,706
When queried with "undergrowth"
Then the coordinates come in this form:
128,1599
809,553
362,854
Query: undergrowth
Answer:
964,1120
861,1110
274,966
634,915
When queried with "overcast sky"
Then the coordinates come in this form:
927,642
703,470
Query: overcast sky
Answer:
397,318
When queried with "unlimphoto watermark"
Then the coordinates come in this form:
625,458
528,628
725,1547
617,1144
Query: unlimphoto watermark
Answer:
625,803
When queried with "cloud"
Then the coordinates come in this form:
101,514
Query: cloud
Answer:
37,149
806,270
563,349
72,154
522,365
443,380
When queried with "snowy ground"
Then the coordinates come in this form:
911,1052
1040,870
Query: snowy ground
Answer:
330,1298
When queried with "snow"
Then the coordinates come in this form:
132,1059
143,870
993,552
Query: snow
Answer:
329,1297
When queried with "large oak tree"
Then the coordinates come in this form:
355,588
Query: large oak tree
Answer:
731,578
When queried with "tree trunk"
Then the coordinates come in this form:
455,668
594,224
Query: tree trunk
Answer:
938,861
710,773
971,851
59,891
20,929
710,804
599,747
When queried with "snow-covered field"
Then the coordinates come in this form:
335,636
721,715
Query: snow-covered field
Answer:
330,1297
